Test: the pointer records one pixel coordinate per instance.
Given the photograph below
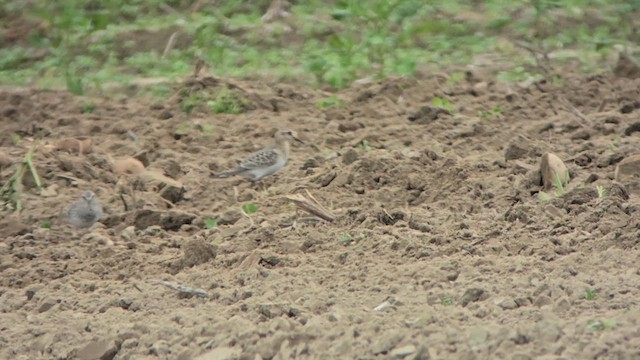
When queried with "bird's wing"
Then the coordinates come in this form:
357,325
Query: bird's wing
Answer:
262,158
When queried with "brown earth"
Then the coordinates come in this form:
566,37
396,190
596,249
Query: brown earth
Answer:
439,226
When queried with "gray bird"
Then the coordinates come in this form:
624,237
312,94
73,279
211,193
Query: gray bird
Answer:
85,212
266,161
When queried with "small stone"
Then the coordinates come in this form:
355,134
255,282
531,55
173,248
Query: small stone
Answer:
350,157
508,304
581,135
542,300
159,348
473,295
99,350
563,305
402,351
173,194
349,126
196,252
635,127
229,217
165,114
552,169
46,305
128,233
514,151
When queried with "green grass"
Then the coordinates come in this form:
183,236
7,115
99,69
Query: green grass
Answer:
85,45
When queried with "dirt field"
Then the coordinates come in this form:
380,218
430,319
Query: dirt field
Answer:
441,248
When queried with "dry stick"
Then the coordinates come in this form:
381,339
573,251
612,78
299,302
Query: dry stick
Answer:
124,202
535,54
170,44
183,289
311,205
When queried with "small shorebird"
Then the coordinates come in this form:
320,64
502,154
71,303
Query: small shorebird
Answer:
267,161
83,213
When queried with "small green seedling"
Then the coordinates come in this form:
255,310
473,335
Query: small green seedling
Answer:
447,301
443,104
46,225
211,223
346,239
250,208
88,108
330,102
591,294
363,145
600,325
488,114
602,192
559,182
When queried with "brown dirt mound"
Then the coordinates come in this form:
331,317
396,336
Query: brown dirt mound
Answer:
441,247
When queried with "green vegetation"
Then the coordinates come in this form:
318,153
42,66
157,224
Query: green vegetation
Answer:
249,208
591,294
447,301
601,325
89,46
559,182
211,223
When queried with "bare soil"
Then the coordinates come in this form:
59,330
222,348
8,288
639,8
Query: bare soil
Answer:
441,248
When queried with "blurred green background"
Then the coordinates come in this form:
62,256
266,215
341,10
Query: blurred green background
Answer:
87,46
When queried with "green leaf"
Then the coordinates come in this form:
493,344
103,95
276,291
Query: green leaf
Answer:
250,208
211,223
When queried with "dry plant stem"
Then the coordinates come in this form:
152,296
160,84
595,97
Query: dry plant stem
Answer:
248,217
170,43
311,205
184,289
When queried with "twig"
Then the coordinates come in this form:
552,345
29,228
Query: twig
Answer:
247,216
184,289
124,202
170,43
535,54
311,205
570,108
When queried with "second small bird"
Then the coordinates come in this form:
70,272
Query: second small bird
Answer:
266,161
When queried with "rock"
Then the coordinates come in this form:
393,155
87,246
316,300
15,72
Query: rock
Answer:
143,156
160,349
173,194
628,173
384,344
551,168
46,305
635,127
542,300
427,114
229,217
173,169
473,295
402,351
507,304
171,220
79,145
562,305
350,126
99,350
128,233
196,252
165,114
514,151
350,157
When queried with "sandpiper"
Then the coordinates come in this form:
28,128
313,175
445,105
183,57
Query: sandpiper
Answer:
83,213
267,161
